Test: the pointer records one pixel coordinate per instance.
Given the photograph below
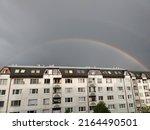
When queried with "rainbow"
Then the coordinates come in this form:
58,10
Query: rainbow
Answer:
127,55
118,50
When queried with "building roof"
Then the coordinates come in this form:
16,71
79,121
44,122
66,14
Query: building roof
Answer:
69,72
112,73
26,72
139,74
74,73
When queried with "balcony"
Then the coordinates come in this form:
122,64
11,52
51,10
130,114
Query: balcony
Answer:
57,89
56,99
92,97
56,109
92,88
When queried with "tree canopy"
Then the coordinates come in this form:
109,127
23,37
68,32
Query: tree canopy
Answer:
101,108
145,109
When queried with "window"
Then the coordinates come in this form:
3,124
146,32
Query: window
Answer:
37,71
136,94
135,87
128,88
145,87
18,81
147,94
109,89
100,98
92,89
70,71
46,101
100,89
66,71
68,80
1,103
91,80
120,88
34,81
111,106
33,91
122,105
16,103
110,97
32,111
139,81
45,110
56,72
80,71
22,71
3,81
15,112
32,71
81,80
32,102
82,109
144,81
68,99
57,80
68,90
82,99
147,100
130,104
129,96
17,91
120,96
17,70
81,89
108,80
46,90
68,109
142,101
2,92
46,81
99,80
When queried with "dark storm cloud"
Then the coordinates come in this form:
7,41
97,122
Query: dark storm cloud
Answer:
27,24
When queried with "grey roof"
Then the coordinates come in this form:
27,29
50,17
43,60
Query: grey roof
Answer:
28,72
112,73
70,72
74,73
138,74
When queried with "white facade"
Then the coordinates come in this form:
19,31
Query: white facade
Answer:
66,90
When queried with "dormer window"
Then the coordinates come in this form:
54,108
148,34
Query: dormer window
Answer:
66,71
70,71
32,71
38,71
17,70
22,71
119,72
105,72
109,72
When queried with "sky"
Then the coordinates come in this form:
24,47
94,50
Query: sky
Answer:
102,33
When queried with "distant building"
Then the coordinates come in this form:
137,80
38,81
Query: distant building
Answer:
43,89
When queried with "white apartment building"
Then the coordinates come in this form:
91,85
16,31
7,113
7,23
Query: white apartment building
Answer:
141,88
31,89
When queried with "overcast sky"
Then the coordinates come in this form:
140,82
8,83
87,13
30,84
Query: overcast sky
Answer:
61,32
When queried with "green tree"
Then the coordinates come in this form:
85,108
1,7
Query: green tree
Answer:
145,109
101,108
